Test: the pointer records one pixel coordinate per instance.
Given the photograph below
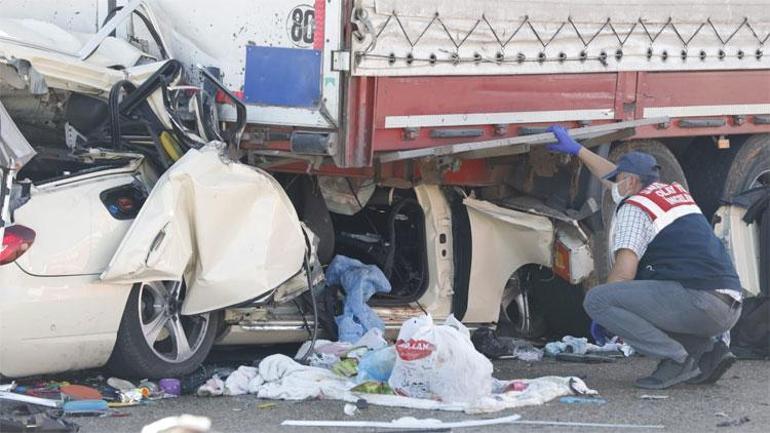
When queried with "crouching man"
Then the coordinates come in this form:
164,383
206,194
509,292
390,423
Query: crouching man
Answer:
672,288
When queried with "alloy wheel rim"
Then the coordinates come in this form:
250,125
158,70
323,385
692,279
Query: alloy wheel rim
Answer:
173,337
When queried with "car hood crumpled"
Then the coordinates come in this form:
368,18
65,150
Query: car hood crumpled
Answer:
228,228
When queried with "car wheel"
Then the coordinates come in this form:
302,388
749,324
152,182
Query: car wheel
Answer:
155,340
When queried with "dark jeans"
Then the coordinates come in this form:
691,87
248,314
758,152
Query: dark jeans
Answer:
661,319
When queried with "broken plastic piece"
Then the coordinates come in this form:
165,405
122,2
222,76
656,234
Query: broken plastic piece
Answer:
571,399
80,392
28,399
86,407
377,365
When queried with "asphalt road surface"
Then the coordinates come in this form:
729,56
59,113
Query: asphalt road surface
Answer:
743,392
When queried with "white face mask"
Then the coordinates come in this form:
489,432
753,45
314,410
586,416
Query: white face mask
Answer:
616,196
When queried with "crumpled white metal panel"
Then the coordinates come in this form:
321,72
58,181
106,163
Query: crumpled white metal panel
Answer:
15,150
503,241
228,228
456,37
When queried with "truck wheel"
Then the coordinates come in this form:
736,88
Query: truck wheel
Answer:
155,340
750,168
670,171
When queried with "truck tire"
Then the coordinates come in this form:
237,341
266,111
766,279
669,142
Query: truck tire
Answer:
750,168
670,171
143,350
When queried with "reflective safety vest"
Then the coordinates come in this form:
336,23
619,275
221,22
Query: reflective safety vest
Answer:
684,248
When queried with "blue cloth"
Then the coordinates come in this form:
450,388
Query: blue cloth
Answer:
360,283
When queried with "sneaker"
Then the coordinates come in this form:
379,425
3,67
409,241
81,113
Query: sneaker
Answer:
714,364
670,373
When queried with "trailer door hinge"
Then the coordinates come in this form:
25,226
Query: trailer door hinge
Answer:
340,60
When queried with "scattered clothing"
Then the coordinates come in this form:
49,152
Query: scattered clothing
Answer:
581,346
360,283
240,381
213,387
428,360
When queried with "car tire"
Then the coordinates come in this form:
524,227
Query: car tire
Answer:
670,171
149,342
520,316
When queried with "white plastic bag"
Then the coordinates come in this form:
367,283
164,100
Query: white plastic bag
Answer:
439,362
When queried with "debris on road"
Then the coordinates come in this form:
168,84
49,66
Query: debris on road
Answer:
653,397
377,365
20,416
213,387
86,408
439,362
571,399
495,347
179,424
80,392
37,401
350,409
419,424
427,360
581,346
734,423
242,381
120,384
171,386
591,425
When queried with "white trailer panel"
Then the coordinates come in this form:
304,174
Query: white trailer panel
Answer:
502,37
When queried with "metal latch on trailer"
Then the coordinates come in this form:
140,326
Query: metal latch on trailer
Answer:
340,61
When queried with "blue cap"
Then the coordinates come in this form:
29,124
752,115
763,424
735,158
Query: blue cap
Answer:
638,163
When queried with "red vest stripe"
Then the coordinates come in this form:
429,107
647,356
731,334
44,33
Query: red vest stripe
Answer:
664,203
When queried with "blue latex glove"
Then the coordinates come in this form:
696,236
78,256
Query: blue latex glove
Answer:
599,334
566,144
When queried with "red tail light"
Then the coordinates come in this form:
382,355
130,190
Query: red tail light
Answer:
16,241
